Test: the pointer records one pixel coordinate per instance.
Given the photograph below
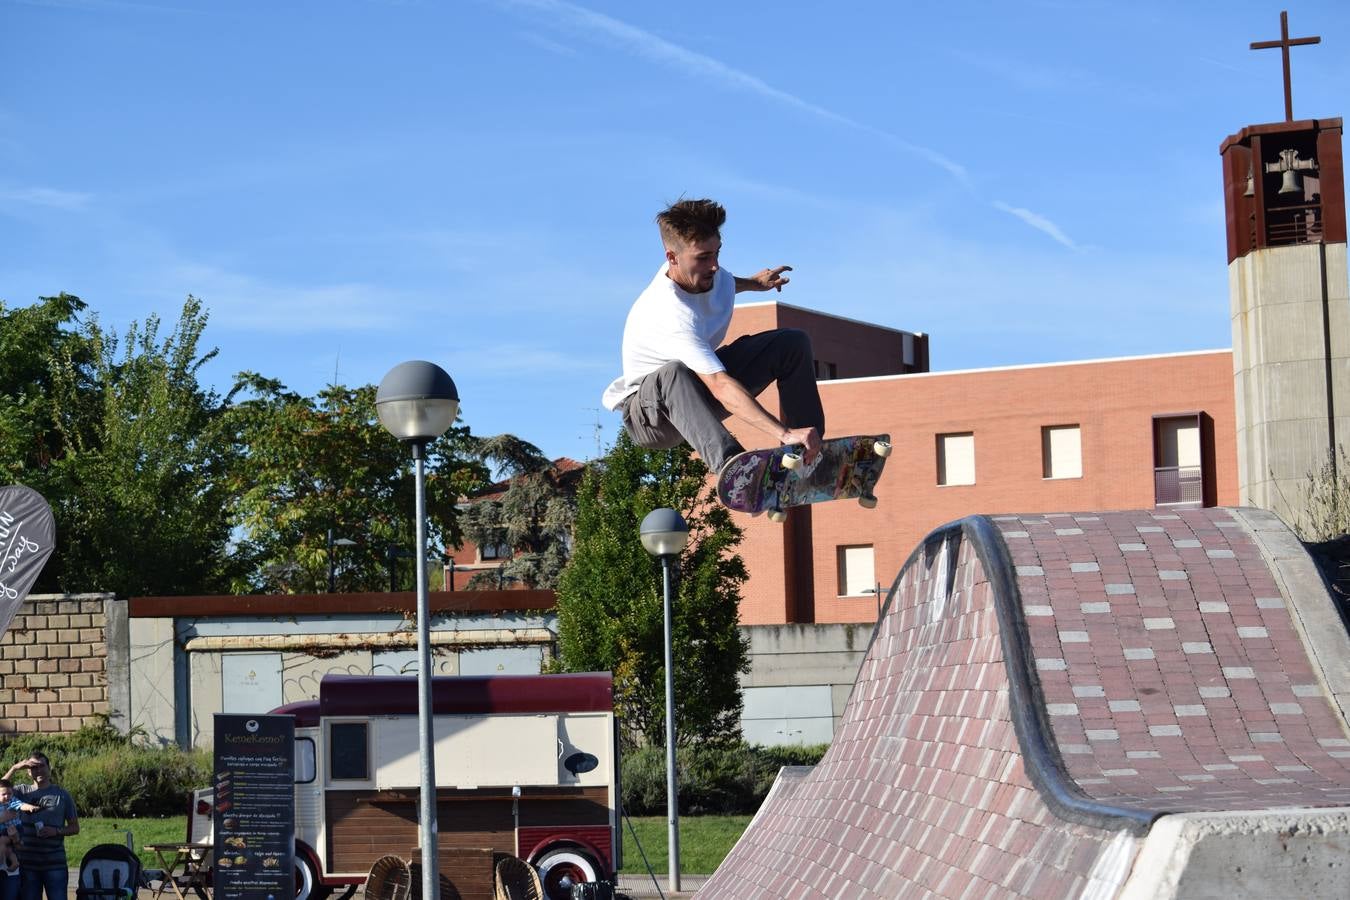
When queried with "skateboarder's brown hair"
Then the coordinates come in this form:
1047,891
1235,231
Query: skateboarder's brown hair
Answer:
685,222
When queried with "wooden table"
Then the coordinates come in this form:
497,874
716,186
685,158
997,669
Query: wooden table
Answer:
185,866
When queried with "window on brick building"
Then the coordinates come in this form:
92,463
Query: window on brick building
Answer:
1061,451
956,458
857,570
826,370
494,551
1179,459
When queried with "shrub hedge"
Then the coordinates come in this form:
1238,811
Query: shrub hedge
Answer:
111,774
714,779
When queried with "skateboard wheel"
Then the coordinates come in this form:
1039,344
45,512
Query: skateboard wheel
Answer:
777,515
792,460
882,449
867,502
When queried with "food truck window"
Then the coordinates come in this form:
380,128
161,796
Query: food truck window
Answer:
348,754
304,760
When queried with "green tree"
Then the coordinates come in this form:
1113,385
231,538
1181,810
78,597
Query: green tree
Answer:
313,464
610,596
531,513
134,465
32,340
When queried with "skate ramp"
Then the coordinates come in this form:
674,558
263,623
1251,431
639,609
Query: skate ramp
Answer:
1124,704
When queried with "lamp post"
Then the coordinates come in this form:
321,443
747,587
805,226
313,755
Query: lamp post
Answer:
332,572
416,403
664,534
876,590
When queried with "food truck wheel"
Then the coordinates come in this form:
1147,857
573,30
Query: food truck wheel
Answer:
561,868
307,885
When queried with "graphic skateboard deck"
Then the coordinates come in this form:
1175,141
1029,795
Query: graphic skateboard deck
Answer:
772,480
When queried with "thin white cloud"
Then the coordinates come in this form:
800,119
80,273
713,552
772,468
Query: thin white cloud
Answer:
526,361
552,46
1220,64
1027,76
664,52
1037,221
999,303
243,302
46,197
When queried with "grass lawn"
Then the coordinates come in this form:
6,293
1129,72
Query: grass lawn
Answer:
704,840
169,830
704,843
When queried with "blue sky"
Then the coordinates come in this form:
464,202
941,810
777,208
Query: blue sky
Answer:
350,184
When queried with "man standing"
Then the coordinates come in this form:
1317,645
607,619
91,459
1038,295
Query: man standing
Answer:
678,383
42,854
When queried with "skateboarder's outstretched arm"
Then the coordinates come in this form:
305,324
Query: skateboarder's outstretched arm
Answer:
738,401
764,280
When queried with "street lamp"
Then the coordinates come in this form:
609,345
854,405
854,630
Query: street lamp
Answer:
665,534
332,572
876,590
416,403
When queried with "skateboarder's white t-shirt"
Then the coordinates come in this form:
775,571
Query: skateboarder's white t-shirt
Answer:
668,323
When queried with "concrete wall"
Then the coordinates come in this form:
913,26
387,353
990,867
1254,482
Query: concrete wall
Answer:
1284,416
186,669
799,680
55,663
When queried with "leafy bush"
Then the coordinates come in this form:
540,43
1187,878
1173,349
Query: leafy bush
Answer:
771,759
139,782
109,775
713,778
643,781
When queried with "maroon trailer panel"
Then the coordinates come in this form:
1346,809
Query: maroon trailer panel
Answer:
358,695
306,713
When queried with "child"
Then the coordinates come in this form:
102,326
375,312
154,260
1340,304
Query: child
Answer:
10,807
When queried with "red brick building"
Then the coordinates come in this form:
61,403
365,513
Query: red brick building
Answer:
1090,435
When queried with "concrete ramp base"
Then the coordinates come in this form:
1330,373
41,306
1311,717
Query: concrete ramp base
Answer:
1116,704
1256,853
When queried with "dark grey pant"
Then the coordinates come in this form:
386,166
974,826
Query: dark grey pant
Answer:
673,404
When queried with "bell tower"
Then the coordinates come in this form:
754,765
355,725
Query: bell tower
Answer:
1284,194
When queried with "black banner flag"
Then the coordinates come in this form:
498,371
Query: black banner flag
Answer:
27,538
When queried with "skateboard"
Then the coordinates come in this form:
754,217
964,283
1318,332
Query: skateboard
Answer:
770,481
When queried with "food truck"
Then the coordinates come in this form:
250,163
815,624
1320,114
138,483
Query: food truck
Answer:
526,765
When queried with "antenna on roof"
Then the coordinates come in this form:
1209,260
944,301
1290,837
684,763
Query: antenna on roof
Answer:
598,429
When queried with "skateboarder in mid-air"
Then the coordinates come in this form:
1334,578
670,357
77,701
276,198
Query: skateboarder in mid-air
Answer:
678,383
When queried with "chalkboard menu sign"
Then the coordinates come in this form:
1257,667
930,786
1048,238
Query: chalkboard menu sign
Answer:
254,807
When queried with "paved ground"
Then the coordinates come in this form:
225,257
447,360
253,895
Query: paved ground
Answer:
635,887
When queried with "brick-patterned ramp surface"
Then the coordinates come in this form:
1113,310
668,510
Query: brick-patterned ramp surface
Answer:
1039,692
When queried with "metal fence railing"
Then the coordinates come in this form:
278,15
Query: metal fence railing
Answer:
1178,484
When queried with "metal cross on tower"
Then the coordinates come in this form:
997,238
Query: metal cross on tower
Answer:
1284,43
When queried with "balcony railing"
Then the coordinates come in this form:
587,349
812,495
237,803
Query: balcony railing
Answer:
1174,485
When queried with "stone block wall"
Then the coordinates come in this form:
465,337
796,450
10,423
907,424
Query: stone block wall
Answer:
53,664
